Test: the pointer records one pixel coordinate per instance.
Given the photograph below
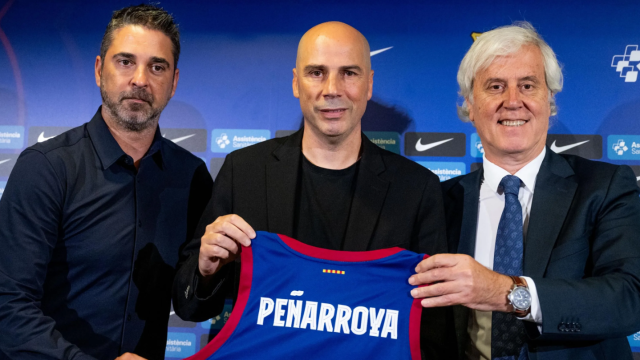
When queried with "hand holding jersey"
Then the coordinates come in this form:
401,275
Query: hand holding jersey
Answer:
460,279
219,244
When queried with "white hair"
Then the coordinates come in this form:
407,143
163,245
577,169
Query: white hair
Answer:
504,41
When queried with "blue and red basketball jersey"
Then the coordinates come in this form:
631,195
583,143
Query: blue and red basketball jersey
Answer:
299,301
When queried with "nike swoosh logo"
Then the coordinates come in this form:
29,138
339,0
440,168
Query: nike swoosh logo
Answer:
41,137
376,52
425,147
4,161
177,140
559,149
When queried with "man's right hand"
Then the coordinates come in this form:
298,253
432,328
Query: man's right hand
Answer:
219,244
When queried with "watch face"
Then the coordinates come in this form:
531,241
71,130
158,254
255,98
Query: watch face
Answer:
520,298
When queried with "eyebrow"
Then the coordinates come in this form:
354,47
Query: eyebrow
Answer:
313,67
154,59
124,55
351,67
532,78
342,68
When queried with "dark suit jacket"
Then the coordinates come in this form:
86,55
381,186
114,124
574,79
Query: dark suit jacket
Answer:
396,203
582,251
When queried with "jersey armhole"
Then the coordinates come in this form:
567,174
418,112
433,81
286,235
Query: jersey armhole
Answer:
244,290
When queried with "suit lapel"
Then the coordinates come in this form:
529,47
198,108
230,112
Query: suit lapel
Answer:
552,198
282,181
471,197
368,198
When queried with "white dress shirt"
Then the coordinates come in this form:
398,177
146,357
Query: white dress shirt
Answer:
490,209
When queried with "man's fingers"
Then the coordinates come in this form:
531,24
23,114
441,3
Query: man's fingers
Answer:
243,226
445,300
234,227
218,240
231,231
440,260
432,276
435,290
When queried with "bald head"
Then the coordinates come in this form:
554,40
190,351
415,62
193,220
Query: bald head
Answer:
333,80
336,35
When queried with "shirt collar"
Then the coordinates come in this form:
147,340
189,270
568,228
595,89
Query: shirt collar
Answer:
107,147
493,174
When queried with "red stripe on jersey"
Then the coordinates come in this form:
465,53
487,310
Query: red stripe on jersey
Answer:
246,277
415,317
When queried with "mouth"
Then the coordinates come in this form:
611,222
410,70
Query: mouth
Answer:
136,100
332,113
512,123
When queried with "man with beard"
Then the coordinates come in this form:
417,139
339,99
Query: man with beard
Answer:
326,185
91,221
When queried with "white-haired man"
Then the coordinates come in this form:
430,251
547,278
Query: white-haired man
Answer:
548,263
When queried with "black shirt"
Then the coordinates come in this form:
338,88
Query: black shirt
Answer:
90,245
324,204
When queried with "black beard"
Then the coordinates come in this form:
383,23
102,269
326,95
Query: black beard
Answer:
135,117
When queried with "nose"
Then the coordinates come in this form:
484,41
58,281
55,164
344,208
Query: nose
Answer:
140,77
513,99
332,86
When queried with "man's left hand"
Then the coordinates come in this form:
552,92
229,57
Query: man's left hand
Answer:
460,280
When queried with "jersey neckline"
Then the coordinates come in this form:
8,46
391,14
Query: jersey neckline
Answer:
337,255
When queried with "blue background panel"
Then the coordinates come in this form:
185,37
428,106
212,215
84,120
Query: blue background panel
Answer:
236,71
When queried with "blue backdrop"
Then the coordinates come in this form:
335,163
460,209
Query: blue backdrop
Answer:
235,83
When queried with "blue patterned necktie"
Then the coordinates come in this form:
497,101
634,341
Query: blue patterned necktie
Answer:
507,332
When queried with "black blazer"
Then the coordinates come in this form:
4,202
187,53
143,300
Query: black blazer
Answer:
396,203
582,251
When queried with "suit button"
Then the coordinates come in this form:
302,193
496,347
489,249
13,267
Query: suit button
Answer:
128,317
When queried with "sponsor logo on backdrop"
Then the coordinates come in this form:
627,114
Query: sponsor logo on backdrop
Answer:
7,161
283,133
623,147
214,166
477,150
388,140
634,341
376,52
445,170
475,166
217,322
194,140
636,170
38,134
3,184
11,137
180,345
627,65
586,146
227,140
434,144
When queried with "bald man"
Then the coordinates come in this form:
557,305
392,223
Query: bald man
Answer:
326,185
